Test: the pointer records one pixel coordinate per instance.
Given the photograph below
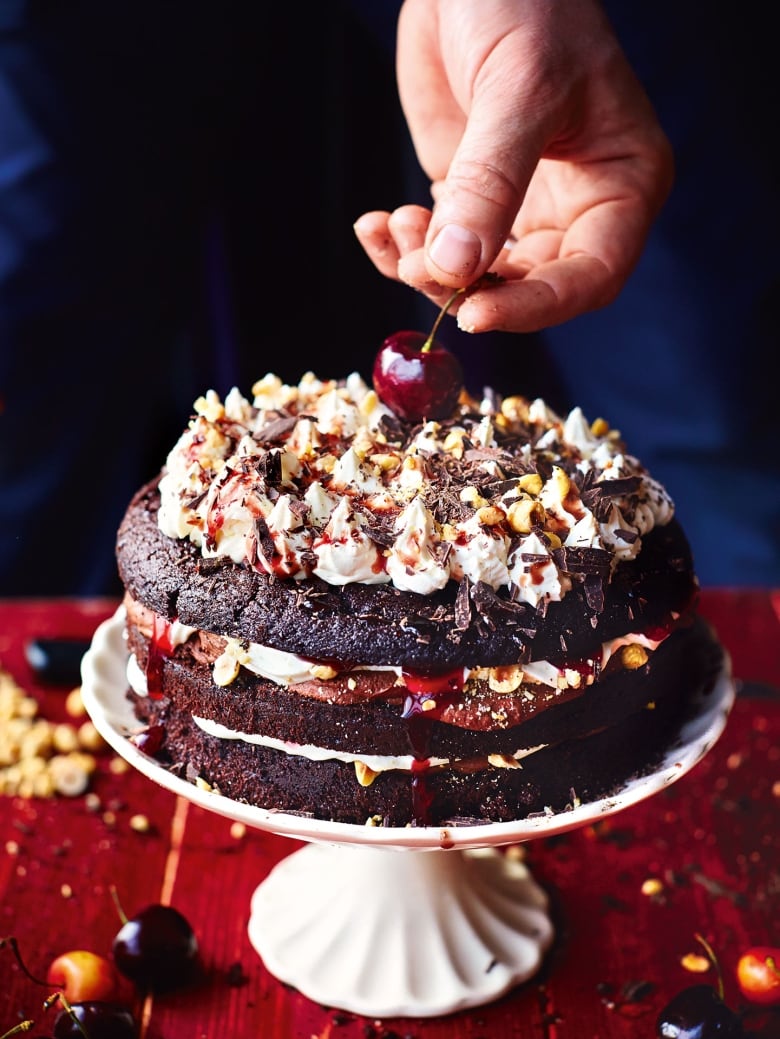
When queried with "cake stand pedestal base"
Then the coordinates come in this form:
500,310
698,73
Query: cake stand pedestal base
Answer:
395,933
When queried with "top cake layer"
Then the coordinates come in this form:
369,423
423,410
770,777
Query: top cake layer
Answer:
475,529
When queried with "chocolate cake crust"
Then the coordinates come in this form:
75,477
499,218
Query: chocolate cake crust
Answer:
380,624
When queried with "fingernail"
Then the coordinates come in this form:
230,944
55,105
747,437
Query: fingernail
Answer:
456,250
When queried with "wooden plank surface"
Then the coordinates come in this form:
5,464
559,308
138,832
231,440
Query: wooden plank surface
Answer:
711,843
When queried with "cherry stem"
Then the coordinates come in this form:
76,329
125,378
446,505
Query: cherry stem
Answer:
118,904
59,997
714,961
426,347
23,1026
14,946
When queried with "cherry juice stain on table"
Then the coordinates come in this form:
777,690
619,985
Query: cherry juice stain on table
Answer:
628,895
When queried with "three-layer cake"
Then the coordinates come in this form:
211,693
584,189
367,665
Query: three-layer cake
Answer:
335,612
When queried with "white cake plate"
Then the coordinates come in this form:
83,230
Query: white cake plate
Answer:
393,921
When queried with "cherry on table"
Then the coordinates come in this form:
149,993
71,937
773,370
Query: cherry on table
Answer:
698,1012
157,948
758,974
83,976
97,1019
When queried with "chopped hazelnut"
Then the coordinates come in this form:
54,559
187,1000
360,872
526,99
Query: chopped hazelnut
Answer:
64,738
89,738
531,483
225,670
489,515
471,496
524,514
505,679
633,656
503,761
365,775
324,672
74,704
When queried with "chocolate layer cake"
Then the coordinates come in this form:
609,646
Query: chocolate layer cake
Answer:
334,612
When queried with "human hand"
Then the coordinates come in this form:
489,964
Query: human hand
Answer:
548,165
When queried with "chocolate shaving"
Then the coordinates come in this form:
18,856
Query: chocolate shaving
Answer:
621,487
265,542
499,487
483,454
309,560
629,536
489,603
380,533
463,605
391,427
594,592
596,494
299,508
196,499
582,560
269,467
276,429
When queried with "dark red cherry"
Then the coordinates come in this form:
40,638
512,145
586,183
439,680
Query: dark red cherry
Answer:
415,376
416,380
698,1012
96,1020
157,948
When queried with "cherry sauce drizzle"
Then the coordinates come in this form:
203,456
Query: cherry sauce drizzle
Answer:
160,646
427,695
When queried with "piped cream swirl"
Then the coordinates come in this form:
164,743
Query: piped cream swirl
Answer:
320,479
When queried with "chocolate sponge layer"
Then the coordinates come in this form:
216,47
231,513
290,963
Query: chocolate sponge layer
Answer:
550,779
378,624
617,730
685,663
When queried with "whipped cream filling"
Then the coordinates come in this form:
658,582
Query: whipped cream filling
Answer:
321,479
288,669
375,762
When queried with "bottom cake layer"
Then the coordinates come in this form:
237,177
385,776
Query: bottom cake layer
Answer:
553,778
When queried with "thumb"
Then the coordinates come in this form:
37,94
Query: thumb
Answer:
479,199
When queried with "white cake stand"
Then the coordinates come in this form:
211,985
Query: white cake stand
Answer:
393,921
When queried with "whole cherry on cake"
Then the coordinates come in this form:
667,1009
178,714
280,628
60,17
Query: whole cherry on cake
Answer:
415,376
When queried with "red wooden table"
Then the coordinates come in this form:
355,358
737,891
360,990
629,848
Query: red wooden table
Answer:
708,845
